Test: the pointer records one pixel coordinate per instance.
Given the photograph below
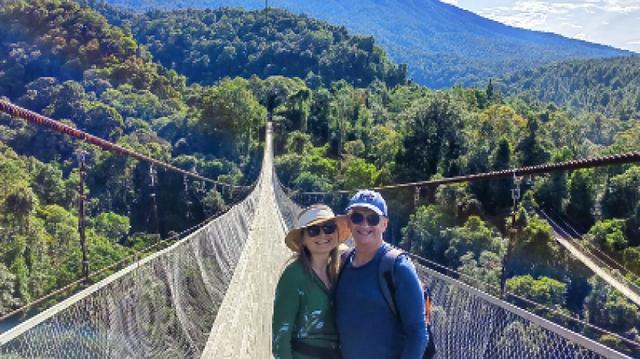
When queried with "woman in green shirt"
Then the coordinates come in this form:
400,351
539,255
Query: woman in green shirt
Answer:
303,314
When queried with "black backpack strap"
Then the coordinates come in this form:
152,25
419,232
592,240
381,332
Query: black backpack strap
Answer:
386,277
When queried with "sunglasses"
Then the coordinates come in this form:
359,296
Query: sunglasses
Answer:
327,228
357,218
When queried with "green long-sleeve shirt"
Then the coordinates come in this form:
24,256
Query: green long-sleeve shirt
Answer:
303,310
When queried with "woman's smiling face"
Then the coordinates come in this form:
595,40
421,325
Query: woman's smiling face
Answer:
321,238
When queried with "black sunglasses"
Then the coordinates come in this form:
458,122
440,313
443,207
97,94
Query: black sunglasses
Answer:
357,218
327,228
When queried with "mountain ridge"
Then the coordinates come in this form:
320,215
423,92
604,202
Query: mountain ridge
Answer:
442,44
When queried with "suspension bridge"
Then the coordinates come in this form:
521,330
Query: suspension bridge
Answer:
210,295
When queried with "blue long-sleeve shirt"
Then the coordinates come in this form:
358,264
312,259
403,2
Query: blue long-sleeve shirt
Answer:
366,325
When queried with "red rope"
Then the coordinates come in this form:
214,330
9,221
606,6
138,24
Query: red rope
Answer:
37,119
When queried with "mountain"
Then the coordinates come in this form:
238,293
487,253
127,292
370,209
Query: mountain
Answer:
208,45
443,45
609,86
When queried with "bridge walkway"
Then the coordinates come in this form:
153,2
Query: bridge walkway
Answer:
243,325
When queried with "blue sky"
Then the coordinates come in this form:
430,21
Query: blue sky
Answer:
609,22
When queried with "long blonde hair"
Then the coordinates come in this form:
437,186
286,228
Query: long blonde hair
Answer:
333,266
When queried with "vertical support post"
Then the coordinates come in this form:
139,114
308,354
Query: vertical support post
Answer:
154,203
515,196
186,196
81,215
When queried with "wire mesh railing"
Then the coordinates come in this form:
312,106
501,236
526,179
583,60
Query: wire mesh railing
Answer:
161,306
469,323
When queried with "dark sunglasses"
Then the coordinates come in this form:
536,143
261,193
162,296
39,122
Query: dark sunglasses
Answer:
327,228
357,218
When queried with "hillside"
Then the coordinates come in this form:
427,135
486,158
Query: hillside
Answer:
67,62
442,44
609,86
207,45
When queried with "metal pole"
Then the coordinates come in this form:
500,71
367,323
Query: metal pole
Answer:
186,197
152,174
515,196
81,216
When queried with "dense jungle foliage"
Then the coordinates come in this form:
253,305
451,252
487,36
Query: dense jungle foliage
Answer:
66,61
206,46
369,128
610,86
343,137
442,44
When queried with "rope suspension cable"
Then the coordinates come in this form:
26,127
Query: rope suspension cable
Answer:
602,161
495,289
40,120
43,121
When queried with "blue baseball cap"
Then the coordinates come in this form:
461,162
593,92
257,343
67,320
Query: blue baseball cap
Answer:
369,199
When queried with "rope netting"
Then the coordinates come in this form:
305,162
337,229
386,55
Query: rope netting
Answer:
468,323
162,306
169,305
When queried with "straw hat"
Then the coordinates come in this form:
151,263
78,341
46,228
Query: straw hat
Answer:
316,214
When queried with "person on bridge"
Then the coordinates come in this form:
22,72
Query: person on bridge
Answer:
303,315
367,326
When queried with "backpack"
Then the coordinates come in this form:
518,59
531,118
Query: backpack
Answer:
386,280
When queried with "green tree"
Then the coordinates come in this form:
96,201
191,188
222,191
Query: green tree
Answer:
19,268
501,189
536,252
632,259
551,193
609,309
111,226
484,271
359,174
425,233
213,202
543,290
608,234
385,145
231,109
298,142
48,184
622,194
474,237
531,149
581,199
432,138
7,287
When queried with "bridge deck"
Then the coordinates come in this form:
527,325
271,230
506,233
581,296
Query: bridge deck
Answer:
600,269
243,325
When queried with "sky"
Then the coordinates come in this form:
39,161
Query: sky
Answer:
609,22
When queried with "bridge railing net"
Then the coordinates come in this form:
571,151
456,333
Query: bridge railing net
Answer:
161,307
470,324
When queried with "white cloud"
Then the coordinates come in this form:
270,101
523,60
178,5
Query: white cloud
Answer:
580,36
452,2
571,25
602,21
